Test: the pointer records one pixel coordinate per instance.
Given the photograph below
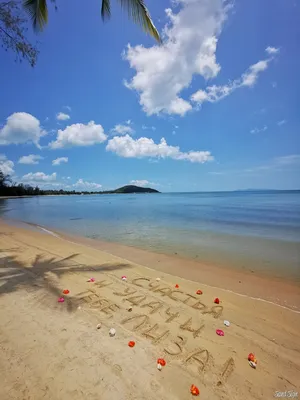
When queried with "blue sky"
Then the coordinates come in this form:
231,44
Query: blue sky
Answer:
216,107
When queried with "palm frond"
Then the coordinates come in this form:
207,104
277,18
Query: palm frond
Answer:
139,13
37,9
105,9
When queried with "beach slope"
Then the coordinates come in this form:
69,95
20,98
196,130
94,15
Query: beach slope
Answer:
53,350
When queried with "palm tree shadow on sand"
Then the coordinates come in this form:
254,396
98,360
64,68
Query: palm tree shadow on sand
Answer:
15,275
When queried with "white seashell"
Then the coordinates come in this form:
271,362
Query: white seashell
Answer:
112,332
124,278
226,323
157,279
252,364
159,367
99,326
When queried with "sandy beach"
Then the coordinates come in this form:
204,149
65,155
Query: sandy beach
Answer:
53,350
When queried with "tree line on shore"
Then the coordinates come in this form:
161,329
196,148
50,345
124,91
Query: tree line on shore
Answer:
10,188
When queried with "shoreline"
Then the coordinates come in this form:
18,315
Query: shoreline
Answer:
251,284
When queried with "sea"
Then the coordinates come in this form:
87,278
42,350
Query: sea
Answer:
258,231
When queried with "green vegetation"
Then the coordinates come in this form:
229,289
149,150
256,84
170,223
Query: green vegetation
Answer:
136,9
14,22
7,188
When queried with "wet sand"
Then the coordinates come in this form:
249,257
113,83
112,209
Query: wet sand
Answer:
53,350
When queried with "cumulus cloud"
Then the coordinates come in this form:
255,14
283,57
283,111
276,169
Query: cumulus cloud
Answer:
85,185
259,130
60,160
189,48
62,116
215,93
21,127
6,166
79,135
126,146
122,129
30,159
39,177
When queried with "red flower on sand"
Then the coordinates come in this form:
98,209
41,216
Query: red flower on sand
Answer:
131,343
194,390
66,291
161,361
199,292
251,357
177,286
217,301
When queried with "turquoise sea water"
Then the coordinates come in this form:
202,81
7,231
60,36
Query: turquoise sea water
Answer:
259,231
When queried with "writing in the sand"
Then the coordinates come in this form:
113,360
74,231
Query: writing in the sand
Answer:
141,323
164,291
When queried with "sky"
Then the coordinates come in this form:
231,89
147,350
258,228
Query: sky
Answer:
215,107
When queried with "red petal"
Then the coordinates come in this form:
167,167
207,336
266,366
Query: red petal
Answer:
194,390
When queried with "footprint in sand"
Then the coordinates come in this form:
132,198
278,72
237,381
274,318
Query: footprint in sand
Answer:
117,369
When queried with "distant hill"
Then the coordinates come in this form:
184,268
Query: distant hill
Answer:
134,189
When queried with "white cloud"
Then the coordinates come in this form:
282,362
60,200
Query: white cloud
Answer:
30,159
278,163
216,173
79,135
122,129
259,130
140,182
85,185
126,146
189,48
215,93
21,127
272,50
282,122
39,177
6,166
60,160
144,127
68,108
288,160
62,116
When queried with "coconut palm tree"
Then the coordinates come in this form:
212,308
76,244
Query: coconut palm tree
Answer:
137,11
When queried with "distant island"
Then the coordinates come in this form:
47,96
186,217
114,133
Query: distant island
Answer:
134,189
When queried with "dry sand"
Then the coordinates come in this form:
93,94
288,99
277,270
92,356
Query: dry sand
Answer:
52,350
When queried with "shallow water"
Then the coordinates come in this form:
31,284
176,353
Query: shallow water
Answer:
259,231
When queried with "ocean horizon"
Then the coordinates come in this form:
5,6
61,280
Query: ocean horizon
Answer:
257,230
